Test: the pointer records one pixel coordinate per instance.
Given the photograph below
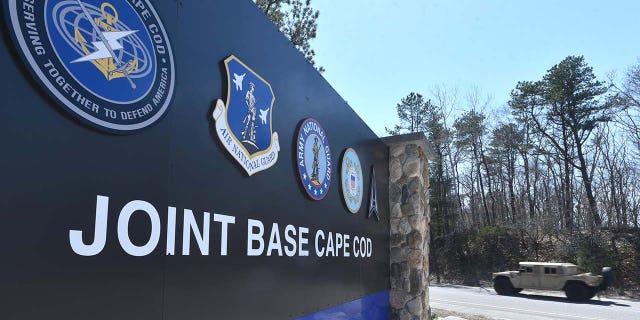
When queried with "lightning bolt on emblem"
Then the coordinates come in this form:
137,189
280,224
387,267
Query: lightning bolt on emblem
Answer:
102,52
106,46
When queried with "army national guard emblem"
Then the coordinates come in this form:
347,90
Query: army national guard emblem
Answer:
243,124
109,63
351,178
314,159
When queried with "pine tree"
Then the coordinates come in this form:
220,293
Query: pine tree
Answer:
297,20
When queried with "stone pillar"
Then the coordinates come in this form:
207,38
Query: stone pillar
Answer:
409,226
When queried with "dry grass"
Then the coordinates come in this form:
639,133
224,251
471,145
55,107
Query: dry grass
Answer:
440,314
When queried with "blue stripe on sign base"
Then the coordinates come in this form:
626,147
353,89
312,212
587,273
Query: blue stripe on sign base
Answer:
372,307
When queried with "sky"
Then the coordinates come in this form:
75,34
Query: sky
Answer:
376,52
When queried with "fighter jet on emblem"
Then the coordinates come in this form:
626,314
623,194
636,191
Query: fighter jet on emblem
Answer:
246,134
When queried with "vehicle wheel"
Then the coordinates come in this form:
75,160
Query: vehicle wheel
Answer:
577,291
503,286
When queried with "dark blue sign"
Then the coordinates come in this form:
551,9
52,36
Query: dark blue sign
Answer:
164,224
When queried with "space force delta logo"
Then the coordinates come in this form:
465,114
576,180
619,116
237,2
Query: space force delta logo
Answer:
243,123
109,63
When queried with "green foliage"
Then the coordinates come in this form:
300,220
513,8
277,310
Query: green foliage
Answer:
571,92
441,184
472,257
564,108
567,98
297,20
437,132
544,189
469,129
587,261
413,113
507,141
590,257
495,248
592,252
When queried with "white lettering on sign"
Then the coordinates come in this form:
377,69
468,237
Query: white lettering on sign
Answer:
289,234
100,234
190,226
274,241
289,241
171,231
225,220
123,228
253,237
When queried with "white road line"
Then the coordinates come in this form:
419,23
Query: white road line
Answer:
515,309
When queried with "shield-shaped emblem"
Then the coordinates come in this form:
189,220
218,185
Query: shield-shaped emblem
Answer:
243,123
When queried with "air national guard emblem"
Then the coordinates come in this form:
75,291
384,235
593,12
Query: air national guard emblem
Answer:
109,63
314,159
243,124
351,178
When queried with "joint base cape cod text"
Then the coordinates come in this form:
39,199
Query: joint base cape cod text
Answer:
261,240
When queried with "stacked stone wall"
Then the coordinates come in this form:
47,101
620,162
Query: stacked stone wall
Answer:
409,228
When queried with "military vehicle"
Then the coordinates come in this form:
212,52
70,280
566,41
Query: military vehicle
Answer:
552,276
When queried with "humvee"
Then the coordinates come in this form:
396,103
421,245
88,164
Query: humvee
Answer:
552,276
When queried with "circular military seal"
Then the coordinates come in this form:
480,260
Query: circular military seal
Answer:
314,159
351,178
109,63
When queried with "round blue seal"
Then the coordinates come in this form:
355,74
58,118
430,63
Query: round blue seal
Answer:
109,63
314,159
351,180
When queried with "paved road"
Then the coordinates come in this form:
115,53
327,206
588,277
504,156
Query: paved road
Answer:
529,305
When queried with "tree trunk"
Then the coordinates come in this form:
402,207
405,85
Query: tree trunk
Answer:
534,193
472,199
586,180
527,177
568,197
512,194
456,176
489,184
481,185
